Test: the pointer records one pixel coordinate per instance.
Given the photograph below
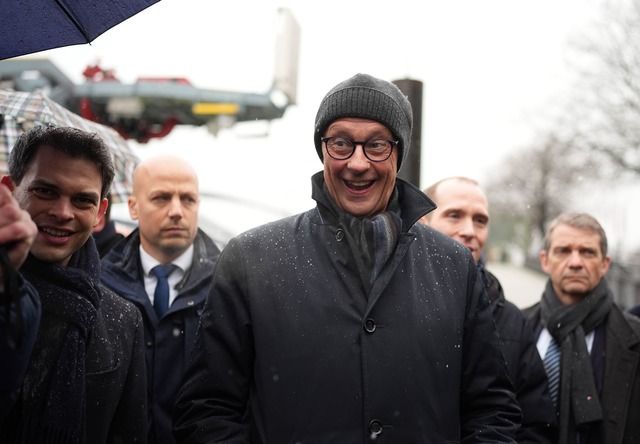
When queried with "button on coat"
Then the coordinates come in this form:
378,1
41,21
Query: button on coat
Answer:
285,333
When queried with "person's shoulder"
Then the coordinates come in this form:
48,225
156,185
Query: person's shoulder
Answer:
491,277
635,310
530,313
433,236
632,320
119,251
624,326
513,322
277,228
208,248
512,310
435,239
112,303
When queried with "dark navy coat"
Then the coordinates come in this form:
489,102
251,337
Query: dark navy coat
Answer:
168,341
15,359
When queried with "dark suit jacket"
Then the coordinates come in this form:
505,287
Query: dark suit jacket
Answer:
620,395
168,340
524,365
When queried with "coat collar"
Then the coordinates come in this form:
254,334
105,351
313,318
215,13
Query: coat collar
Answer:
125,256
413,203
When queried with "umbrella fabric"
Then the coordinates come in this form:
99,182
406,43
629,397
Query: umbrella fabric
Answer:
36,25
21,111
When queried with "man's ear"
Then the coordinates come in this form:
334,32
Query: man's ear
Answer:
8,182
101,220
133,207
543,261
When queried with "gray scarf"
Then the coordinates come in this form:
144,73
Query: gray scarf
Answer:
579,400
375,238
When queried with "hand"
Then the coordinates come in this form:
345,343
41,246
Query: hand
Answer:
17,230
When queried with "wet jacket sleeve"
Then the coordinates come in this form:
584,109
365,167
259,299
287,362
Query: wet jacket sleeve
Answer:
490,412
15,360
213,399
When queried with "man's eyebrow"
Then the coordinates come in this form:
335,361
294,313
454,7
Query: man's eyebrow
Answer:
42,183
88,195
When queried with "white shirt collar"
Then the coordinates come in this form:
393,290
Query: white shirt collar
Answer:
183,262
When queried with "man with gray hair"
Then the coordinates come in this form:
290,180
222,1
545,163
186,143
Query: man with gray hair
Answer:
349,323
591,350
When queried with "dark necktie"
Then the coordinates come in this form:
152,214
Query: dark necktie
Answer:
161,294
552,365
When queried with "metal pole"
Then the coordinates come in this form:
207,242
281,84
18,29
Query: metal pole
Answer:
410,170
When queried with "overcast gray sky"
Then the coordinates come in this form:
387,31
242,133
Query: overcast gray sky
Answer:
491,70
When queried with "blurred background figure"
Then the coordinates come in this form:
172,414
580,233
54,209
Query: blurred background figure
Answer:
591,349
462,213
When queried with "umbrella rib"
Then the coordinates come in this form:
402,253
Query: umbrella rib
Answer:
73,19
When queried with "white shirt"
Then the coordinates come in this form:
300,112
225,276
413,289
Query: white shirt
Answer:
545,339
183,262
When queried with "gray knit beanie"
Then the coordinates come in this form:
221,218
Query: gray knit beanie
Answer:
367,97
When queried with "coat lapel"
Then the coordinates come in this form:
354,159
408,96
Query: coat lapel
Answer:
621,368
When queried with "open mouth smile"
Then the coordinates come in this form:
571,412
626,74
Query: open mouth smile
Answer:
55,233
360,185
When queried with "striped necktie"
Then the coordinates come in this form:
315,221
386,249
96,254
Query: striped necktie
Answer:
552,366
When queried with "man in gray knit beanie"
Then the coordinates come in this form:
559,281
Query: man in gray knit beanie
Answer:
350,322
370,98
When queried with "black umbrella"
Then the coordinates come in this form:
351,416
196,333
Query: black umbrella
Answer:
37,25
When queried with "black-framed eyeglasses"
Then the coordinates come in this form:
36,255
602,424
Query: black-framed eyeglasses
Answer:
376,150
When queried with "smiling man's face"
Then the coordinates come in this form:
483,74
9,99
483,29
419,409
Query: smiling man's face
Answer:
357,185
62,195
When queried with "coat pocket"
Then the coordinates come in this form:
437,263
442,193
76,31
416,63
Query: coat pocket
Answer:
104,378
